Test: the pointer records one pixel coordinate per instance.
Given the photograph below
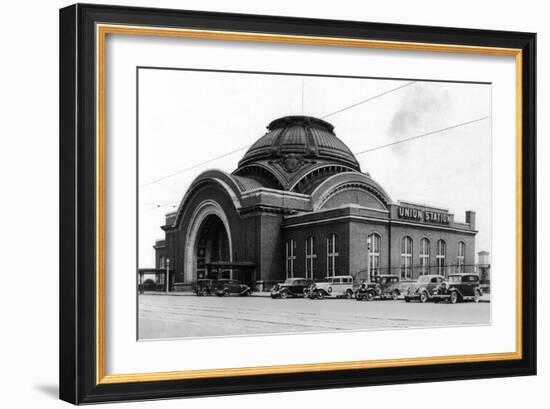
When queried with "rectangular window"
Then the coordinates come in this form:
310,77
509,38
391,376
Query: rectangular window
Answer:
290,257
332,255
310,258
460,257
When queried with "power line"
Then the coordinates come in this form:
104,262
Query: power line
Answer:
368,99
248,146
323,117
356,154
422,135
195,166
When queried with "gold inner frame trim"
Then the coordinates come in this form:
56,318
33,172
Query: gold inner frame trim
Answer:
101,33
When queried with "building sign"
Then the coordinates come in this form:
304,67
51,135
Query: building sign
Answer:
427,216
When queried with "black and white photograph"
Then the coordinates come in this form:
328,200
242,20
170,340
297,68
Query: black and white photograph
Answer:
279,203
282,204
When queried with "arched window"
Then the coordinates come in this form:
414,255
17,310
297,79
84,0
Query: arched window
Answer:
440,257
310,258
460,256
290,251
374,245
406,257
332,255
424,256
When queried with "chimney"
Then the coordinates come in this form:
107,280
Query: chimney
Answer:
471,219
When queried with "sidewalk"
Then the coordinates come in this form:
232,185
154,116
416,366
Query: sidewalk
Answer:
189,293
484,297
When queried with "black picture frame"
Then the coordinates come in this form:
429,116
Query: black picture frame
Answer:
78,235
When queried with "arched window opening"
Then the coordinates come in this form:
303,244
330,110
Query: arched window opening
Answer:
406,258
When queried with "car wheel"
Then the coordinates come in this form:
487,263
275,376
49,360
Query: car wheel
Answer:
370,296
423,296
476,296
349,294
454,297
226,293
407,299
320,295
284,294
395,295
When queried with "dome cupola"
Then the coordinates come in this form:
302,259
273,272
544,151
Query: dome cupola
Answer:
295,154
292,138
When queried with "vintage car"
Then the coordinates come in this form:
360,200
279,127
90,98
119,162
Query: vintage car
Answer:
381,286
459,287
292,287
226,287
204,286
336,286
422,290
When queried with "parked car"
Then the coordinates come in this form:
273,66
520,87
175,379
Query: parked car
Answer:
336,286
292,287
204,286
459,287
422,290
226,287
382,287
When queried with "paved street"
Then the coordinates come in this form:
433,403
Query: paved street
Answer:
162,316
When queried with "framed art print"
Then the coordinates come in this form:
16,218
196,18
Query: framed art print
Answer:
258,203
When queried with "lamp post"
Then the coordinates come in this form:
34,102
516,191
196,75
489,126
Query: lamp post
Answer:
167,274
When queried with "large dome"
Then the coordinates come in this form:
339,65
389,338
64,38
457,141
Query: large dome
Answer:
305,136
294,154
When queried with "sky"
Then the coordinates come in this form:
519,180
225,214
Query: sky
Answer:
190,117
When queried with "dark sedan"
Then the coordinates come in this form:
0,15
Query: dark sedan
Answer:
381,286
422,290
459,287
227,287
292,287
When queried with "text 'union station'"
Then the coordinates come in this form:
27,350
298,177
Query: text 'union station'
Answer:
299,205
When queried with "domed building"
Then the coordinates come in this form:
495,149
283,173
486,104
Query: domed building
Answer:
299,205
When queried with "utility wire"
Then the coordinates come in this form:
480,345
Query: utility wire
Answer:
195,166
422,135
448,128
368,99
248,146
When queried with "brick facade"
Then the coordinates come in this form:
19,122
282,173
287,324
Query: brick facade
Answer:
300,181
